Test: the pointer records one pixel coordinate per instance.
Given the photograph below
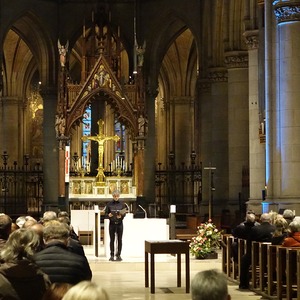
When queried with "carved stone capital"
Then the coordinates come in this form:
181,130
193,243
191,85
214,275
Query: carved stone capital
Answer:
204,86
251,39
287,11
236,59
217,75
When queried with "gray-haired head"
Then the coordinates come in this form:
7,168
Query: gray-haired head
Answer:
288,214
49,216
116,193
266,217
209,285
294,226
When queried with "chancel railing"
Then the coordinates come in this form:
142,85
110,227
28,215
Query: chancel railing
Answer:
178,185
21,187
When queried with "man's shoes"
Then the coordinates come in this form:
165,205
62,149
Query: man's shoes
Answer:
111,258
118,258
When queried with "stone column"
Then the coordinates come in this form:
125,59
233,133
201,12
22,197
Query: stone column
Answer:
149,151
218,157
11,118
288,123
50,160
205,125
238,123
256,149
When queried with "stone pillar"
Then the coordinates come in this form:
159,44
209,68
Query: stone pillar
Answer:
11,128
183,128
238,123
149,152
256,149
218,157
205,125
288,91
50,160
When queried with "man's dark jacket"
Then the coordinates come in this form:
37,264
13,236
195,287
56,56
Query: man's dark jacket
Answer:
62,265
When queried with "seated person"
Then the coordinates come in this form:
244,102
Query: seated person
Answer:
20,277
57,261
260,233
242,232
293,238
281,231
289,215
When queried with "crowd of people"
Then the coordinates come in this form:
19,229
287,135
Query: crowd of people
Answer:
46,256
277,229
43,259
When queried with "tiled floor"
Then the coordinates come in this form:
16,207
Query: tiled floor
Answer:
126,280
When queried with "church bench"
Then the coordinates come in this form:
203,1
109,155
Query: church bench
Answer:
263,266
275,270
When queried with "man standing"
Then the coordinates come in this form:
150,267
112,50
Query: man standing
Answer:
115,211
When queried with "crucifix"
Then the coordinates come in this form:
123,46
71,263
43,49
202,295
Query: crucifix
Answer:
100,138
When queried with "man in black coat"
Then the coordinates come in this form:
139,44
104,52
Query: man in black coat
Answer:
60,264
260,233
115,211
242,231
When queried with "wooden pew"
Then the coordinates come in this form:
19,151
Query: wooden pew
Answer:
254,264
241,251
226,243
280,270
271,269
263,270
291,273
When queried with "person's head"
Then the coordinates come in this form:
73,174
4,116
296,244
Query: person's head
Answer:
5,226
22,243
63,214
250,218
209,285
56,291
86,290
281,226
49,216
116,195
56,231
29,223
294,226
266,217
20,221
288,214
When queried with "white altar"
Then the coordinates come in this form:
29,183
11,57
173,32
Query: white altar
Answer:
136,231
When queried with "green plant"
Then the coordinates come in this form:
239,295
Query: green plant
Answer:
207,240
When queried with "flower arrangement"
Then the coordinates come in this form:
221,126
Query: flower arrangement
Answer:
207,240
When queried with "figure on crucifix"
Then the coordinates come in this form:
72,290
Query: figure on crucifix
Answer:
100,138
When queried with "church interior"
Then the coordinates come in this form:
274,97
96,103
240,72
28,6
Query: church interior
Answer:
191,104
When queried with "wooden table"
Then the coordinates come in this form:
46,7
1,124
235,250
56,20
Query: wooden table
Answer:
167,247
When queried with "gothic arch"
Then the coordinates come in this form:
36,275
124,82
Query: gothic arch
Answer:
27,49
